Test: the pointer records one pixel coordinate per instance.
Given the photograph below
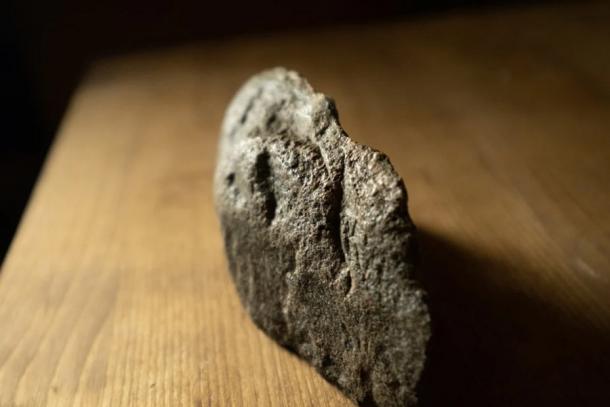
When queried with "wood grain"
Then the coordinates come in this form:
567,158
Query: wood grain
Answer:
115,290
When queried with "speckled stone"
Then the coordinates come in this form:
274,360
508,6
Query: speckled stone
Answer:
319,241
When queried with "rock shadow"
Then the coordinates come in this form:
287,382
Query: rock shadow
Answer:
494,345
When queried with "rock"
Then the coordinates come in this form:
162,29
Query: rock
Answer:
319,241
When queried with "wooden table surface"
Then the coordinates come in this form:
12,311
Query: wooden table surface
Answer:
115,290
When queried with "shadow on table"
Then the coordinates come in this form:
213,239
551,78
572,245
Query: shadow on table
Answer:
494,345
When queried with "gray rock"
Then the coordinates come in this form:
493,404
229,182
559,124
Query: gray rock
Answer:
319,241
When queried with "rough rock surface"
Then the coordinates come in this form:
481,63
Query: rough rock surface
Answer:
319,241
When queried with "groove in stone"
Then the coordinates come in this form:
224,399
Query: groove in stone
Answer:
264,182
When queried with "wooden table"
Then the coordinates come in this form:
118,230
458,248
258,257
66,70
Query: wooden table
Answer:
115,290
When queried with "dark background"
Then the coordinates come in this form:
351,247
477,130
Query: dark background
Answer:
47,46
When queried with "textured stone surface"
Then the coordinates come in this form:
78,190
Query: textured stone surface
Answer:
319,241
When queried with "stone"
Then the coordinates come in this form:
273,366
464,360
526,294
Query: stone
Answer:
319,242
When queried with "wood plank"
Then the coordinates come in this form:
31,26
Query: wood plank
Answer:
115,289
